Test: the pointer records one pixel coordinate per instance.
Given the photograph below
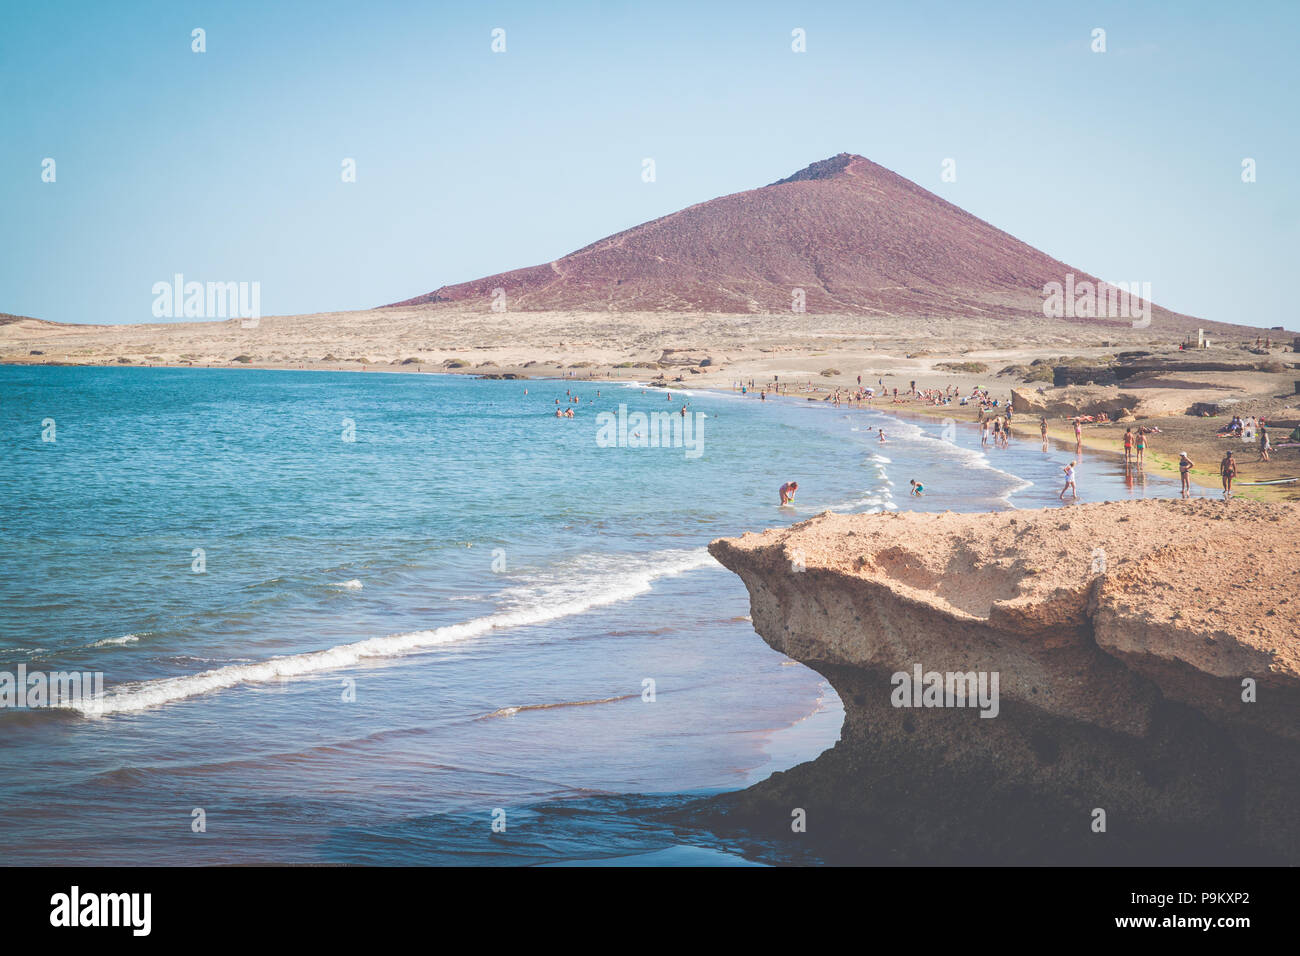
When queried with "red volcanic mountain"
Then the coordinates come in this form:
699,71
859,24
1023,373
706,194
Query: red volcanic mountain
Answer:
854,236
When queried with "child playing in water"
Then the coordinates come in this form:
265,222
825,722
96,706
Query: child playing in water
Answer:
787,492
918,489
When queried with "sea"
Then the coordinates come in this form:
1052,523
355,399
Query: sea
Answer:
414,619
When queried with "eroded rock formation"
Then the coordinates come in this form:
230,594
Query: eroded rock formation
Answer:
1126,637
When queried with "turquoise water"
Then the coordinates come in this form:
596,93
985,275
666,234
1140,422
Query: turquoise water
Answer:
356,617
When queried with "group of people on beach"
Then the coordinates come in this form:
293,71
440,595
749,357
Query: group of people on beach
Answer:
1248,429
997,429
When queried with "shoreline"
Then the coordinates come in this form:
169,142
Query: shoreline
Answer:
1063,437
1161,382
816,392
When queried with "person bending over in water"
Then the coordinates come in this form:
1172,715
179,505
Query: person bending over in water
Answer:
787,492
918,489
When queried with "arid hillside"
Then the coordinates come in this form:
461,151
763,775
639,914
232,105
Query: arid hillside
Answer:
855,237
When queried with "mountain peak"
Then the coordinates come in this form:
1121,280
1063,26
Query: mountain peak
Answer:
843,235
825,169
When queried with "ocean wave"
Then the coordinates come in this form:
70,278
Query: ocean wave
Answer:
976,457
540,603
523,708
353,585
872,503
116,641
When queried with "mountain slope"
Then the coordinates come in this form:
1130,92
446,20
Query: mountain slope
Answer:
854,236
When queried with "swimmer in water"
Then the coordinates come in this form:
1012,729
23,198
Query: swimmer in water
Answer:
787,492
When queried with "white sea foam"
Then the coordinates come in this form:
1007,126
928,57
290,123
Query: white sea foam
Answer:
112,641
353,585
975,457
549,599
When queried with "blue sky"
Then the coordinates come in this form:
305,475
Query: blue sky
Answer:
225,165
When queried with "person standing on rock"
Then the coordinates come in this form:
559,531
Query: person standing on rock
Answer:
1228,471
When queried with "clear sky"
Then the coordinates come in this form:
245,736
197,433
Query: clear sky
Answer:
226,165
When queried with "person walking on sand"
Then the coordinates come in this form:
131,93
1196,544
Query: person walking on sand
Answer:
1264,445
1227,471
1069,482
787,492
1185,466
